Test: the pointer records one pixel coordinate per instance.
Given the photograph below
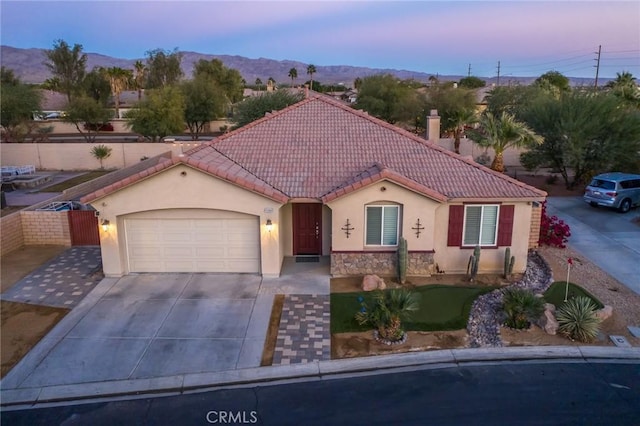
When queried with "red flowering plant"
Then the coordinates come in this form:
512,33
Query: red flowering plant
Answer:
553,231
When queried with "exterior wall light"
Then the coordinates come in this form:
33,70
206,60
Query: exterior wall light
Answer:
105,225
269,225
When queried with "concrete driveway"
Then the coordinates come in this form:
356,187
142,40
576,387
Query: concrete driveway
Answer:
607,238
152,325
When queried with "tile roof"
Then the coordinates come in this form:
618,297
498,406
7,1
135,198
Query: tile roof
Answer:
318,146
321,149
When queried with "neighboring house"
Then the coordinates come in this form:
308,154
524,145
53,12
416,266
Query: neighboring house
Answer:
316,178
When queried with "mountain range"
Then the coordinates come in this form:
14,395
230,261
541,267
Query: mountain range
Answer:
28,65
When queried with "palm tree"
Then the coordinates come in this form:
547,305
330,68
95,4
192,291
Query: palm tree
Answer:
624,87
140,75
389,310
357,83
118,80
502,132
293,73
258,83
311,69
101,152
457,120
624,79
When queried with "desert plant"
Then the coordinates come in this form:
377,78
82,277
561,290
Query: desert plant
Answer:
403,260
474,261
509,261
521,307
577,319
101,152
389,309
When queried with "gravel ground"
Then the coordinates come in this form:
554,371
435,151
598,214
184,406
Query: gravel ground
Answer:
625,303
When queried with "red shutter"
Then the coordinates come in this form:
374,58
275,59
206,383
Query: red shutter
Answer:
456,220
505,225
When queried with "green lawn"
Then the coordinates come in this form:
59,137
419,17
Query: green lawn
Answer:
441,308
75,181
555,294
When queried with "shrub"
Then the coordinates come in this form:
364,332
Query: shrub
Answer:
389,309
577,319
553,231
521,307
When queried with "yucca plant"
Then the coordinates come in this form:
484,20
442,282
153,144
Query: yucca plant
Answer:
101,152
521,307
389,309
577,319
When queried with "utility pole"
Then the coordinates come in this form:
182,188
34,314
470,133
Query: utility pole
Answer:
598,65
469,72
498,82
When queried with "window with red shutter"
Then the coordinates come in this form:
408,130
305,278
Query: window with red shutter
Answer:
456,223
505,225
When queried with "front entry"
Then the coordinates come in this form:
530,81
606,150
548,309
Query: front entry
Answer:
307,229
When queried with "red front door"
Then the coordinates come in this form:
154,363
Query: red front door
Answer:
307,229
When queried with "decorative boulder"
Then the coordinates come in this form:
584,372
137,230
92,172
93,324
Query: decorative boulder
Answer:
373,282
548,320
604,313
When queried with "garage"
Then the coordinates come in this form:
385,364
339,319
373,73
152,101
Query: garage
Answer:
192,240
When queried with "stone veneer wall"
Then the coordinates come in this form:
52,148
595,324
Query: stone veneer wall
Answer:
534,232
42,227
380,263
11,230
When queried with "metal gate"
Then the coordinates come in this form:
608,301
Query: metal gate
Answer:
83,227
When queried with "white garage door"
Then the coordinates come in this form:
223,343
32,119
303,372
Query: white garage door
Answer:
193,245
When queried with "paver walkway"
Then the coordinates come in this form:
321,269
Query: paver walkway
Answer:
304,334
62,282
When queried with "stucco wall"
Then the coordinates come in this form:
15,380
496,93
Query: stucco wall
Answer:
77,156
455,259
511,155
534,233
171,189
40,227
11,232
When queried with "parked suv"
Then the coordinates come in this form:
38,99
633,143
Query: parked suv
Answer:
617,190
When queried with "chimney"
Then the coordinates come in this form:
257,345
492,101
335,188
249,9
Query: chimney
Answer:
306,91
433,126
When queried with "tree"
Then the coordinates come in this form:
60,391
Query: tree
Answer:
501,132
18,103
553,80
293,74
585,133
119,80
228,79
139,77
87,115
311,70
161,113
68,66
204,101
471,82
101,153
357,83
163,68
625,87
96,86
386,97
258,83
252,109
456,107
512,99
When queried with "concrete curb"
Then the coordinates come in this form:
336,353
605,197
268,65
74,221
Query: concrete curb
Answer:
315,370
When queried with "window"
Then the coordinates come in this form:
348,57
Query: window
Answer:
480,225
382,225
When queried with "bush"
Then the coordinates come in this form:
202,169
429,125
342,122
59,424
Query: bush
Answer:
577,319
521,307
388,311
553,231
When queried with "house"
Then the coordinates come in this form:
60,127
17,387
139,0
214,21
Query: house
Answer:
316,178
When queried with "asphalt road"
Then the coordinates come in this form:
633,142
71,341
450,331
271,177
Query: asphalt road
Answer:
522,393
608,238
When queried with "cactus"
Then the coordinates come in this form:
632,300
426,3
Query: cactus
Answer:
474,261
403,260
508,263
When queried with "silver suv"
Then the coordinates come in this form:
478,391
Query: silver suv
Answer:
617,190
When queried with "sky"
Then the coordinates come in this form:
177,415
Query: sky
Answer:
527,38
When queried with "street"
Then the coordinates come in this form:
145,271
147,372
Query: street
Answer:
509,393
